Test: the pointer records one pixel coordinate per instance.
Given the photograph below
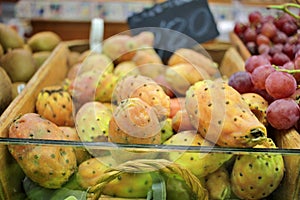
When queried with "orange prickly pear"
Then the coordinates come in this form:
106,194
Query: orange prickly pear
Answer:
49,166
220,115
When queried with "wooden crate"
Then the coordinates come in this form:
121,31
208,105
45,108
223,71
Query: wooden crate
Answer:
53,71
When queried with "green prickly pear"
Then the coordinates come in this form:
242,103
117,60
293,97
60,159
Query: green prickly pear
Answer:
105,87
166,129
146,89
49,166
92,123
126,185
257,175
220,115
218,184
200,164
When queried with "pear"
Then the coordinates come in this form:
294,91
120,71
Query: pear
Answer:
44,41
19,65
10,38
1,51
5,90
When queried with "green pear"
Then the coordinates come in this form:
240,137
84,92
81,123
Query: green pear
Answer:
44,41
10,38
40,57
5,90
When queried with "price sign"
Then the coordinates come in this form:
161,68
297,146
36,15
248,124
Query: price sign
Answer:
175,23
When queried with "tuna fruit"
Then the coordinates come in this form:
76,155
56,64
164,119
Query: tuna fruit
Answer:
147,90
134,122
257,175
221,116
48,165
126,185
92,123
200,164
218,184
55,104
258,105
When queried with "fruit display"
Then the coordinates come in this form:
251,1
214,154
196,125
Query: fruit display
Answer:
121,115
20,58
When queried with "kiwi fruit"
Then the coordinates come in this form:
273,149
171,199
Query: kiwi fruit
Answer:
5,90
10,38
44,41
19,65
40,57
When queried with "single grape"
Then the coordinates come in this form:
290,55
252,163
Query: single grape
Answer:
255,17
262,39
260,74
276,48
280,37
289,50
239,28
252,47
264,49
241,81
288,65
289,28
268,29
283,113
254,61
280,84
250,35
280,59
297,67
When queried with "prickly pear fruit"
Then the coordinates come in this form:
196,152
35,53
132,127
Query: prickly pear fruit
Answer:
184,55
200,164
71,134
176,104
166,129
146,55
181,121
134,122
218,184
144,38
96,61
49,166
146,89
258,105
127,185
126,68
220,115
56,105
105,87
181,76
92,121
257,175
120,48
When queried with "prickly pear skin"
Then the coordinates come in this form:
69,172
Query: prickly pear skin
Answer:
200,164
55,104
92,121
220,115
146,89
134,122
257,175
127,185
49,166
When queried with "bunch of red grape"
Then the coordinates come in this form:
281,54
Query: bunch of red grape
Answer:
273,70
276,37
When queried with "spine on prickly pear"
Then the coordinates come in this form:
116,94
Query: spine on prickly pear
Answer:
49,166
220,115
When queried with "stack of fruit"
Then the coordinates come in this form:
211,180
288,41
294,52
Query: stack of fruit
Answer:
127,95
20,59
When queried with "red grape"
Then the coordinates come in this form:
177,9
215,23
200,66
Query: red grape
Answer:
254,61
264,49
239,28
289,28
241,81
276,48
289,50
280,84
260,74
250,35
262,39
255,17
297,67
283,113
280,37
280,59
268,29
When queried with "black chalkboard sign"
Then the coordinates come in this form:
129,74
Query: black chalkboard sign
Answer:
176,24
